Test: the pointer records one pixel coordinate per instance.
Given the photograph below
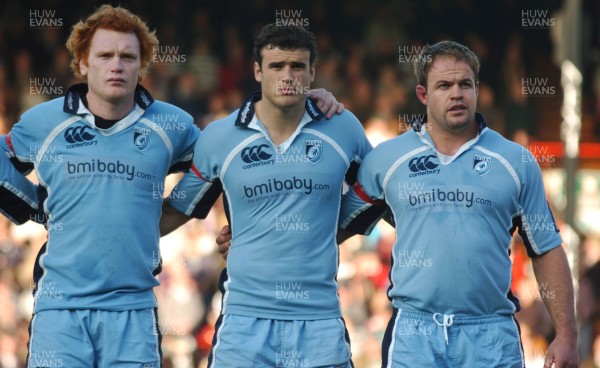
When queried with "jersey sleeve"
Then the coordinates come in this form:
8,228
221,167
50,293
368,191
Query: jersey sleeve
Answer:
535,221
183,151
363,147
18,196
21,143
201,186
364,205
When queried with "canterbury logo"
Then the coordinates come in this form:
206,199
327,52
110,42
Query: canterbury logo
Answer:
78,134
423,163
256,153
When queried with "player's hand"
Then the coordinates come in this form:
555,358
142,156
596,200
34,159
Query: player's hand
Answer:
562,353
224,241
326,102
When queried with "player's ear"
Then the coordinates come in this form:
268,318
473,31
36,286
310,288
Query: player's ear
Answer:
83,67
257,72
422,94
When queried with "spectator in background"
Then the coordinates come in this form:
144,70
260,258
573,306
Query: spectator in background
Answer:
217,109
488,106
328,74
520,117
205,67
361,98
186,95
26,81
233,72
596,101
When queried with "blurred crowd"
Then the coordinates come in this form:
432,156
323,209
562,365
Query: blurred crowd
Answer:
204,65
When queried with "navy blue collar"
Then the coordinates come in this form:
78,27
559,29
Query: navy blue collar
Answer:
76,93
246,112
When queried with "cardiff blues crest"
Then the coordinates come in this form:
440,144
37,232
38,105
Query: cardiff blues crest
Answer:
141,138
314,150
481,164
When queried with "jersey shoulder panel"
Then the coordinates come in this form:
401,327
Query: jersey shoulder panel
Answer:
344,126
45,116
176,114
519,158
391,150
224,125
177,127
383,159
36,126
496,142
221,133
346,117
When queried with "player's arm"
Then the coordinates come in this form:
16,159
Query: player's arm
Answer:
362,205
550,265
326,102
556,288
343,235
197,191
18,196
196,196
360,212
171,219
224,241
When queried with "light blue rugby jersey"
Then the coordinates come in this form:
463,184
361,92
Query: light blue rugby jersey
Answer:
454,218
283,206
104,195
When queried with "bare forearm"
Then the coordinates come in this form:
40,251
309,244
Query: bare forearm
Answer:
171,219
556,288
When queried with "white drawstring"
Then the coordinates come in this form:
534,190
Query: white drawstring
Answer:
448,319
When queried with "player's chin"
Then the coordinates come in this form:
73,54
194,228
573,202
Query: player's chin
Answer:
116,93
291,99
457,124
460,118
